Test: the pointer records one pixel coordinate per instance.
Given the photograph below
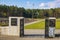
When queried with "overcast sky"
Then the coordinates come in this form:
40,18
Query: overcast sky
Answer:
40,4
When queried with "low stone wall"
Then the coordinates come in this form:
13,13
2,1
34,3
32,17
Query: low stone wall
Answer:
4,30
14,31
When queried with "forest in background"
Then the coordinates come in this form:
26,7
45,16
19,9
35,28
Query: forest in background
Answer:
6,11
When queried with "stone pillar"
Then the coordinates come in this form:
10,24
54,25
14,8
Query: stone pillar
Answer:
50,27
14,26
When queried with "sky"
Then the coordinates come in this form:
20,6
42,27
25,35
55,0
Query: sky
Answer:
32,4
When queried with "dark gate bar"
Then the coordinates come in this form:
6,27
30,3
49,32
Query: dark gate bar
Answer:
22,27
46,28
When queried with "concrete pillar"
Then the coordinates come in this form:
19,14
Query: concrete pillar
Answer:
50,27
18,28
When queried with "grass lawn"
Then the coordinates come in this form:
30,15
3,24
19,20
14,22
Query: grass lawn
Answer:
41,25
58,24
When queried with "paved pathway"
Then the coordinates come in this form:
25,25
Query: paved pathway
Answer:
26,38
38,31
30,31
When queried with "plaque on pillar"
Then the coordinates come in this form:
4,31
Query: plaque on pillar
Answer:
13,21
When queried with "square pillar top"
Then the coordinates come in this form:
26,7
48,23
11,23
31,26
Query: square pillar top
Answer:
17,17
51,18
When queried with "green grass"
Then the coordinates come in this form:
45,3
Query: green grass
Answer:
41,25
6,24
57,24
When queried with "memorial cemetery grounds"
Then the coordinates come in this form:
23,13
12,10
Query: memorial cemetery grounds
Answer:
41,25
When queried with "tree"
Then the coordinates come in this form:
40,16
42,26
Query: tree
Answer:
6,11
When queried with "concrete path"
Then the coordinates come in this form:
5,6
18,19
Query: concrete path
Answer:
34,31
30,31
26,38
39,31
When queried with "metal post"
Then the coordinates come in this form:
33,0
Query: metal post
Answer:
22,27
46,28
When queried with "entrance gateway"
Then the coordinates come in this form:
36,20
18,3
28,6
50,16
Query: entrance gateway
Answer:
16,27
